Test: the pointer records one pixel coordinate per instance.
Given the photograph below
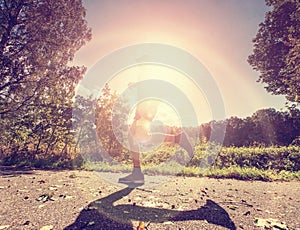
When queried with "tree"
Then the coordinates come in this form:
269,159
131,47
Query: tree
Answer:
85,129
276,53
38,40
265,120
110,118
236,134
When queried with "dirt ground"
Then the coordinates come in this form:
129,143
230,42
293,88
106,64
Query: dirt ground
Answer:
35,199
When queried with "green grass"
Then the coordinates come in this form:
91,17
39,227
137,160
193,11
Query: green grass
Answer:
105,167
166,168
245,163
253,173
173,168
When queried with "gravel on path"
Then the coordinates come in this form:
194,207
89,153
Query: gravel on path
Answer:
41,199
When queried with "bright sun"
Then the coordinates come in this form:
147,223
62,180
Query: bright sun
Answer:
166,113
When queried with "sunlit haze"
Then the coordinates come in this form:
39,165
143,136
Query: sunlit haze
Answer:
218,33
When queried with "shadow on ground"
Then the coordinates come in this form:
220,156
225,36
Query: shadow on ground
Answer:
13,171
103,214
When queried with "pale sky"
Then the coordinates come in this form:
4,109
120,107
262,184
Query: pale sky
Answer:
218,33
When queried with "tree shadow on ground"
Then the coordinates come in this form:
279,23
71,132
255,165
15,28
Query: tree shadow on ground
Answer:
103,214
13,171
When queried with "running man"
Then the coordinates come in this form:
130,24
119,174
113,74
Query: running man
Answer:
140,133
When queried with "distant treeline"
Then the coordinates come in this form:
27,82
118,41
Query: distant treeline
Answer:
266,127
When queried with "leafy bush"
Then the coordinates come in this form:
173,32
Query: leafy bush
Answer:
165,153
49,161
275,158
262,158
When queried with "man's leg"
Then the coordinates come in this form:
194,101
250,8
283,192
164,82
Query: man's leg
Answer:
136,177
184,142
181,139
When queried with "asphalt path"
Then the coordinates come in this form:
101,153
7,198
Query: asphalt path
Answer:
38,199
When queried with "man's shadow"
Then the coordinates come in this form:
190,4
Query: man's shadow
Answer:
103,214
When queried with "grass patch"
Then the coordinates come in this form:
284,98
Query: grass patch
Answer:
173,168
237,172
247,173
243,163
105,167
166,168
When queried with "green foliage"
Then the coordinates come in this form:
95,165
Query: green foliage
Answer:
105,167
262,158
83,124
165,168
275,158
266,127
248,173
158,155
51,161
256,163
277,49
163,153
237,172
262,163
110,119
38,40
